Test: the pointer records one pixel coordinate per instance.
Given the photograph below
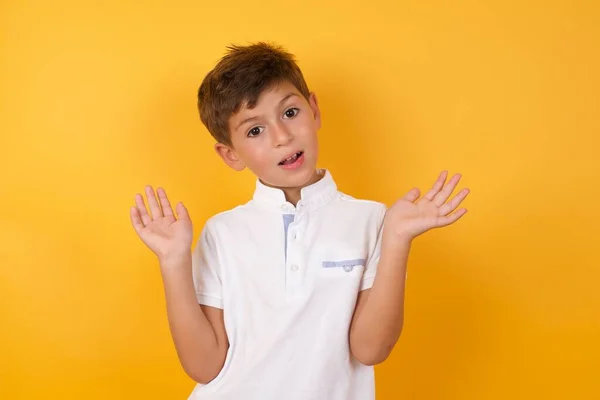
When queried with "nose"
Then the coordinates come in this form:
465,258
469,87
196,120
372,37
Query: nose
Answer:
281,135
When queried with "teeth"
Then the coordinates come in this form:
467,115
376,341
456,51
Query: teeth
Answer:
292,157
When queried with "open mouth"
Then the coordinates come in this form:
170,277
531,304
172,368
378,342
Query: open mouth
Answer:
292,159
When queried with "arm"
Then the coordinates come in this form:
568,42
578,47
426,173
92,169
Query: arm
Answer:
198,331
379,314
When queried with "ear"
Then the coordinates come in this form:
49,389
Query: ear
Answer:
314,106
229,156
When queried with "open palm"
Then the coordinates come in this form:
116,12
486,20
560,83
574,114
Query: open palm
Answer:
165,233
412,216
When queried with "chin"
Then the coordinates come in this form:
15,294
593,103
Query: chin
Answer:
304,178
292,179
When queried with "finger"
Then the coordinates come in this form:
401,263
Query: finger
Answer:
454,203
182,212
155,210
412,195
452,218
164,202
139,202
136,220
437,186
443,195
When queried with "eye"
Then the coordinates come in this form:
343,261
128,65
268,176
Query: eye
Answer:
255,131
291,112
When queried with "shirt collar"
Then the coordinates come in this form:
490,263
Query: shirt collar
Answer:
311,197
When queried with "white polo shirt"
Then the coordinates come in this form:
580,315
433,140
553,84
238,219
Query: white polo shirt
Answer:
287,279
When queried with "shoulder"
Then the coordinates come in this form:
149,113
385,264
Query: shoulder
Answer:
374,208
221,226
233,218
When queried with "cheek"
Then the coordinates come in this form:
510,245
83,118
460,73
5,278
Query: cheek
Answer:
255,156
305,129
309,135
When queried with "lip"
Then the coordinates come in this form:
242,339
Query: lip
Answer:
296,164
290,155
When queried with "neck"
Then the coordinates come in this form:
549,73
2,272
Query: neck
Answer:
292,194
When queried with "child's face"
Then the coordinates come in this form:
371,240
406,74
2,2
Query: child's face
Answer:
277,139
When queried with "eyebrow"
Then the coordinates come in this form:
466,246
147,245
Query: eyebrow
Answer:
250,119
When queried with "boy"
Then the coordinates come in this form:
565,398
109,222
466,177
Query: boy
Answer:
301,289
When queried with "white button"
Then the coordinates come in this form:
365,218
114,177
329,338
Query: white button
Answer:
295,268
294,236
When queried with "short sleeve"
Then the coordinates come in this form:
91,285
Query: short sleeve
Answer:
375,252
206,270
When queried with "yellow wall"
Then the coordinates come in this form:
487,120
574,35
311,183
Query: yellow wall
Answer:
98,100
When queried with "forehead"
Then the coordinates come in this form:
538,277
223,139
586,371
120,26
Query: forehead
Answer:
271,96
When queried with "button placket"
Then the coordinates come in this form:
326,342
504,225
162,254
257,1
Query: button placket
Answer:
295,267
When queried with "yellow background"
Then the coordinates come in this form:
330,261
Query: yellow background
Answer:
98,98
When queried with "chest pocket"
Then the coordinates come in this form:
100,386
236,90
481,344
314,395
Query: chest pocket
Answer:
346,271
346,265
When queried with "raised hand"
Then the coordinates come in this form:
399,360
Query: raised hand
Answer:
411,216
166,234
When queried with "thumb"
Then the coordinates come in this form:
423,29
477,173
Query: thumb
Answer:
182,212
412,195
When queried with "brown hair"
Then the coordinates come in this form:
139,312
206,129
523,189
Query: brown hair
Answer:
239,79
